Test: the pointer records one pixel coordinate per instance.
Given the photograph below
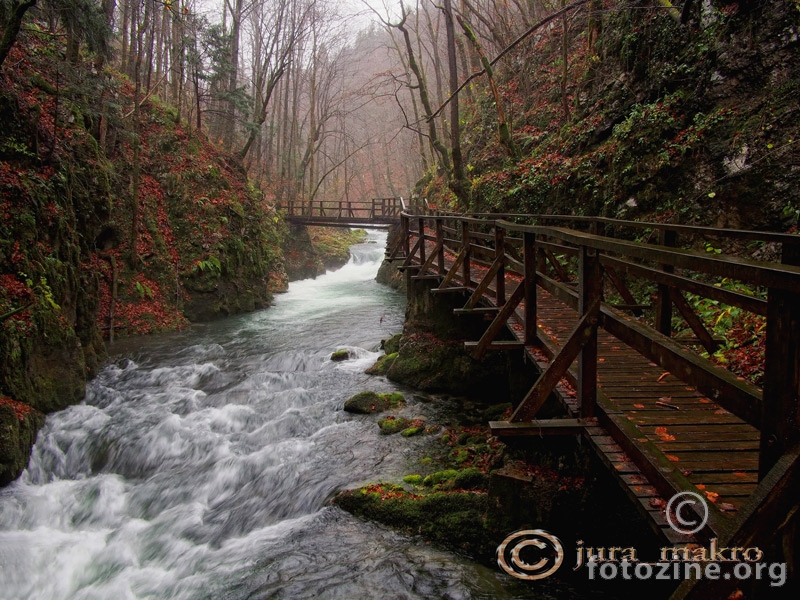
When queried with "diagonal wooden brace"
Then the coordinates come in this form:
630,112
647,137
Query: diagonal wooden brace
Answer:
538,394
454,270
411,254
485,283
694,321
429,263
498,322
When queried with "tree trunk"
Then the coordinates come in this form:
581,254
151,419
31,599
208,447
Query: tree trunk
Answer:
459,182
12,28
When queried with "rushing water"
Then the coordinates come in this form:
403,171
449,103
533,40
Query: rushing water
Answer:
201,463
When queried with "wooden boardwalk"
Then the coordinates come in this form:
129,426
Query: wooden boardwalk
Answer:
662,418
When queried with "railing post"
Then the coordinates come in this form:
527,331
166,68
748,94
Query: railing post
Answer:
529,259
440,243
500,254
590,288
465,272
664,302
405,231
422,242
780,420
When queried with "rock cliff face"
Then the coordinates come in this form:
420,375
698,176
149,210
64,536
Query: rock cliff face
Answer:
95,243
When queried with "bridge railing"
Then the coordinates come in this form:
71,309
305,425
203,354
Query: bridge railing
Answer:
636,281
343,210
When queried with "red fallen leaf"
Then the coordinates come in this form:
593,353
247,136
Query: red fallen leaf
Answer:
637,405
737,595
727,507
700,486
712,496
661,430
663,375
739,474
705,401
657,503
672,458
686,472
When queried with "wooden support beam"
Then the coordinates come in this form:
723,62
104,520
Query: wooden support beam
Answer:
483,286
421,225
500,255
623,290
529,260
561,272
429,262
780,409
448,290
440,245
664,299
411,253
498,323
466,277
454,269
590,294
537,395
693,321
541,427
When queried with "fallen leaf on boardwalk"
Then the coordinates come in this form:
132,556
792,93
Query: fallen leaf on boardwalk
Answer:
737,595
727,507
664,374
686,472
713,496
672,458
661,430
637,405
705,401
657,503
700,486
721,411
739,474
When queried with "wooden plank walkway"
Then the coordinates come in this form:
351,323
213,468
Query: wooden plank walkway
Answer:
657,434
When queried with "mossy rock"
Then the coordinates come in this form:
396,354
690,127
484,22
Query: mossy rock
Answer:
341,355
439,477
366,403
412,431
471,479
392,345
414,479
453,519
383,365
391,425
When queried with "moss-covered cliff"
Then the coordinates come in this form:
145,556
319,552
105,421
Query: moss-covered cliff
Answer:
649,117
99,239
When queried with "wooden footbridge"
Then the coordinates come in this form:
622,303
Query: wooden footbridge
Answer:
377,212
593,303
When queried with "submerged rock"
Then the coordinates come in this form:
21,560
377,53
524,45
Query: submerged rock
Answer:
341,355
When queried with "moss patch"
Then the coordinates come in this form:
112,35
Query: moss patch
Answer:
391,425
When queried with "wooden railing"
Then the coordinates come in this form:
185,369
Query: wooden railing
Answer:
581,260
377,210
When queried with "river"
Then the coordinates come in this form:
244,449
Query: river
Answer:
201,463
